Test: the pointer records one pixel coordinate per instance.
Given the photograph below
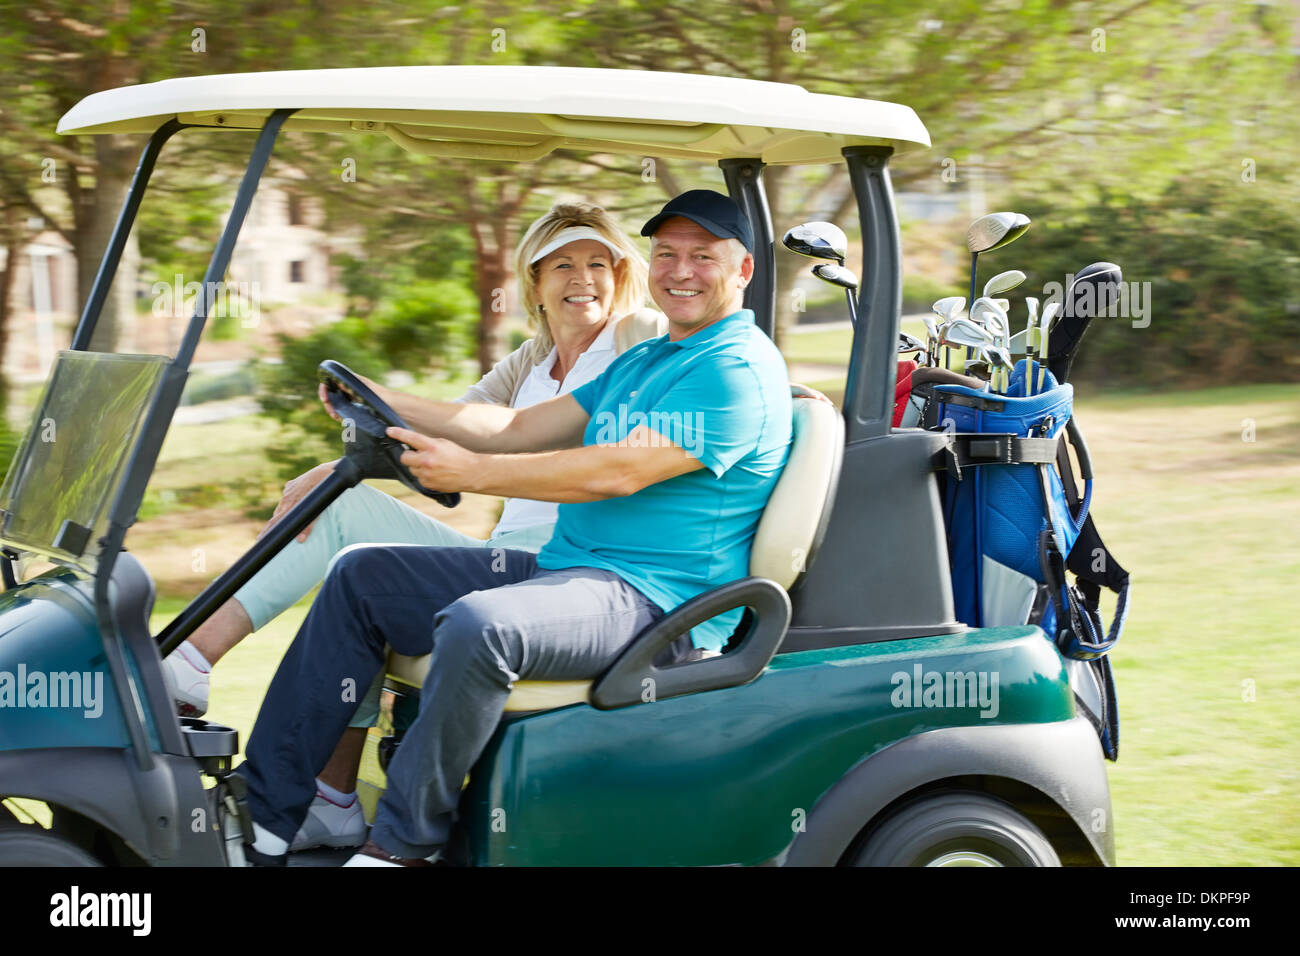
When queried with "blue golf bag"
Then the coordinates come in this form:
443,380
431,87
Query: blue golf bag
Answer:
1017,524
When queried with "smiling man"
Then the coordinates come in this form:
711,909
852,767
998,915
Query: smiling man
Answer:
648,519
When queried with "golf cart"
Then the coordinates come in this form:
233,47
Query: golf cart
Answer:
794,747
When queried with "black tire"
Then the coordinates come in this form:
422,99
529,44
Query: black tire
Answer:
29,845
956,829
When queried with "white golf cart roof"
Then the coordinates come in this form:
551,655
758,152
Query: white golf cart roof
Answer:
521,112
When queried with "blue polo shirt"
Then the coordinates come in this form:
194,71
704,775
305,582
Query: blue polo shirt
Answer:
721,394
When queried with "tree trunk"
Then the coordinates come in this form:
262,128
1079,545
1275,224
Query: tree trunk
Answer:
11,238
494,282
94,227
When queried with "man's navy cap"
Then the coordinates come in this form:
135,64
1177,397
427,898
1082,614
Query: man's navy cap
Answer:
719,214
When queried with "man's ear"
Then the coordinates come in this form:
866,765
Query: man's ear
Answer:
746,269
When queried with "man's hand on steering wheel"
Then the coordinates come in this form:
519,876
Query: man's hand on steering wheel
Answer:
373,450
435,462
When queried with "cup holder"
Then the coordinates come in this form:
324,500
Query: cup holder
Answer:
206,739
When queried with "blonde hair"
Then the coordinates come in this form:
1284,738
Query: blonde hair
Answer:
631,283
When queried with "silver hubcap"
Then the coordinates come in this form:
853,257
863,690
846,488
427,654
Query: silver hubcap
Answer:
964,858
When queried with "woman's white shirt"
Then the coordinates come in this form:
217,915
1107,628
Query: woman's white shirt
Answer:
538,387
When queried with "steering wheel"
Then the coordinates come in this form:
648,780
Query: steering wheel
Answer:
378,455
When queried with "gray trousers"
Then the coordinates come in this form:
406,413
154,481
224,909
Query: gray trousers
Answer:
489,616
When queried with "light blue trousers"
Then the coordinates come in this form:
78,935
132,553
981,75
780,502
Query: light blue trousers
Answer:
361,515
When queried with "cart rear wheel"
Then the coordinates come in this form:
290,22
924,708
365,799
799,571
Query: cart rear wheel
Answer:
28,845
957,829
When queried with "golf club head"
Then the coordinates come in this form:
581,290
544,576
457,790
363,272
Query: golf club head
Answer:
995,230
1049,314
1003,282
817,240
909,343
1094,290
836,275
1031,304
967,334
947,307
981,308
931,326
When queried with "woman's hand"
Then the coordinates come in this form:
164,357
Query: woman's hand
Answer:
294,491
329,409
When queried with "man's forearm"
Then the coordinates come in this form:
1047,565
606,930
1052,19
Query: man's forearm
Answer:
589,473
478,427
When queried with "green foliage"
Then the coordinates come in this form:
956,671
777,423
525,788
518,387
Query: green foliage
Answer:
1223,267
423,322
920,291
423,326
206,387
10,439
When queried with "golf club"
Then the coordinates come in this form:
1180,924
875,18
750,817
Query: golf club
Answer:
1044,330
1003,282
826,241
947,309
842,277
964,332
990,232
1092,292
818,240
1000,359
931,340
1031,342
910,343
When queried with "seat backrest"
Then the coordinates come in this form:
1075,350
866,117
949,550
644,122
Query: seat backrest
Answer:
794,520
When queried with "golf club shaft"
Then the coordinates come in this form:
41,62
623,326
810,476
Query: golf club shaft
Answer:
974,258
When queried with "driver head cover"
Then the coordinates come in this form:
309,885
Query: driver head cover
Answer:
573,234
716,213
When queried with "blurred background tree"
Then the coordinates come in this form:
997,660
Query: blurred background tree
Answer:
1093,116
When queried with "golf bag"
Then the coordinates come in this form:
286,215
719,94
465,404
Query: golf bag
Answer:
1017,524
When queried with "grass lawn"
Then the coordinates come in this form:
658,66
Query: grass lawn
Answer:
1198,495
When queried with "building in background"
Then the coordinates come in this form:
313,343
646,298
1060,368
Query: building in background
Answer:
283,254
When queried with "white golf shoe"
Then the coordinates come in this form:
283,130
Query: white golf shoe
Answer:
332,825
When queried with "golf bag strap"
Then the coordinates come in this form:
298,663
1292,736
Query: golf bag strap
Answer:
980,448
1093,564
1079,632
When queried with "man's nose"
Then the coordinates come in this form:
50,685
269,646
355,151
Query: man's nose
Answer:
680,269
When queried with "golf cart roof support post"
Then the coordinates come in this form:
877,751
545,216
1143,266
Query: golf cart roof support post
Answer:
869,390
121,230
226,244
744,178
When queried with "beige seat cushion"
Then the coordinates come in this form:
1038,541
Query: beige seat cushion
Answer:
782,542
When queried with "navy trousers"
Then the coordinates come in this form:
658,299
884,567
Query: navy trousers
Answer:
489,616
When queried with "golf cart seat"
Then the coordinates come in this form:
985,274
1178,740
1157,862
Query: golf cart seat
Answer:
787,536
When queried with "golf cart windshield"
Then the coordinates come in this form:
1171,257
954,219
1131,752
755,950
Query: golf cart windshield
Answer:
57,495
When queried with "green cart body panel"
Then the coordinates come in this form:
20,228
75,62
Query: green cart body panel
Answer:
730,776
